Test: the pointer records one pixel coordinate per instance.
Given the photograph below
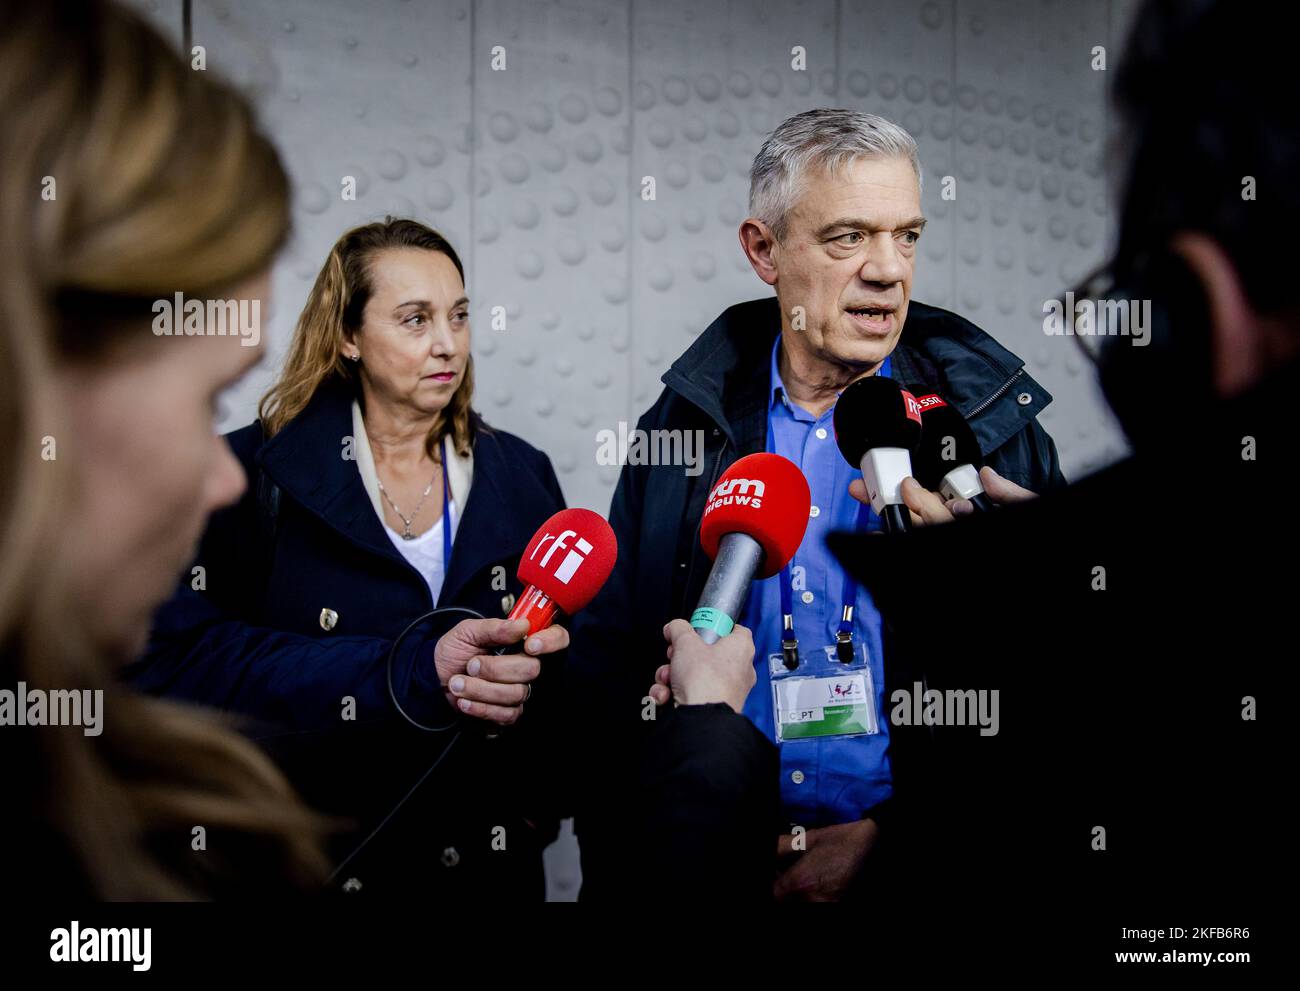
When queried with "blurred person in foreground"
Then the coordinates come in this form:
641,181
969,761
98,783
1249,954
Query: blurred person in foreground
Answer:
1132,780
157,182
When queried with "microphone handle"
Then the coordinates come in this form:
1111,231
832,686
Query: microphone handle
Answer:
896,518
535,606
739,558
883,471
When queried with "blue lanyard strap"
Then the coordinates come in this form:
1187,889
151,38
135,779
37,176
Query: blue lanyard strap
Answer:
848,589
446,514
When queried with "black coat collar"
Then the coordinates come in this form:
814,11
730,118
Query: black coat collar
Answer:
306,460
725,372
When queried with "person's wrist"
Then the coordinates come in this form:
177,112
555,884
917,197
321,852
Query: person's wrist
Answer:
712,692
427,689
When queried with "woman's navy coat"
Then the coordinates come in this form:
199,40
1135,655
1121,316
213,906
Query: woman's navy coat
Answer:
247,633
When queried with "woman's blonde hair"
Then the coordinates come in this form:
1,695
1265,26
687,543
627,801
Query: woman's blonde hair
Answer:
334,311
127,177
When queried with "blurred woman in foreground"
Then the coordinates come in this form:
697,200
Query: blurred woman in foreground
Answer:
127,179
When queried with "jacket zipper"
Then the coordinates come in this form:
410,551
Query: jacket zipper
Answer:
1001,390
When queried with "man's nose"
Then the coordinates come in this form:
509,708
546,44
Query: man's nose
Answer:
883,264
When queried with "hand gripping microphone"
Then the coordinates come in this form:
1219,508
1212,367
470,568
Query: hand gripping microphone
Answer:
564,566
877,426
753,523
946,459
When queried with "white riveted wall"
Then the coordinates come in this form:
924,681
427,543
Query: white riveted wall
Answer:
534,173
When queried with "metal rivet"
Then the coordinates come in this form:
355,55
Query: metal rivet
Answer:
328,619
1024,399
450,857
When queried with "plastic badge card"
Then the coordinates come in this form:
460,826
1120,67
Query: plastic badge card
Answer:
839,705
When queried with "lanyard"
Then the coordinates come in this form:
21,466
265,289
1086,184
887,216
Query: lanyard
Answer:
848,588
446,514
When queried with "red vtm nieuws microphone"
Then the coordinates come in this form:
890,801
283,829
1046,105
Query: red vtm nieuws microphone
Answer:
753,523
564,566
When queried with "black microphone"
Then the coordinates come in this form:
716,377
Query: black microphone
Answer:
947,459
877,426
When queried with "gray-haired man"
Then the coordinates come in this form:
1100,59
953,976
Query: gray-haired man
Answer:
835,220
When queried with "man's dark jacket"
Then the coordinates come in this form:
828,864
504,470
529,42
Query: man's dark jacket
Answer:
720,387
305,538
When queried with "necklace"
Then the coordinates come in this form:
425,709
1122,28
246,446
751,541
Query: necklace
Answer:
408,520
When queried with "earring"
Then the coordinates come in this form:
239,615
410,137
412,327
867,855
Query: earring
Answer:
355,357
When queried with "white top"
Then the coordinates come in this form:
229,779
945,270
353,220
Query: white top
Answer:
425,551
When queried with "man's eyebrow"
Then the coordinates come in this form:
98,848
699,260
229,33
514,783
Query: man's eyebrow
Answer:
859,223
460,302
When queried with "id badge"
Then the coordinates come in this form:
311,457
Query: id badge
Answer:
824,697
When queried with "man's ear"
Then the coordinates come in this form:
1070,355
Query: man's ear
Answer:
1235,329
757,242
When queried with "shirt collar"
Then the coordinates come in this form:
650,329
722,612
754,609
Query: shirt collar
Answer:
777,390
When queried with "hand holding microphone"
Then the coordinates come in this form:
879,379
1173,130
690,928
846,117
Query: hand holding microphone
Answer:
941,482
562,568
698,673
999,491
946,462
487,685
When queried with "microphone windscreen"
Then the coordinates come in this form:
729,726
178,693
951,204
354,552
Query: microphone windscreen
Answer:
766,497
947,442
875,412
570,557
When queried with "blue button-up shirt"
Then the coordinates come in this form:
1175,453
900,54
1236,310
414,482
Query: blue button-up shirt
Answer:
835,779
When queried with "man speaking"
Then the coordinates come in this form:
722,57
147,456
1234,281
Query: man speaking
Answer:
835,219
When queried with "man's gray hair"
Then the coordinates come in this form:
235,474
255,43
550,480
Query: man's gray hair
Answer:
823,138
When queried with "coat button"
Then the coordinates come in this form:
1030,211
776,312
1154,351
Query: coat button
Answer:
351,885
1024,399
450,857
507,603
797,777
328,619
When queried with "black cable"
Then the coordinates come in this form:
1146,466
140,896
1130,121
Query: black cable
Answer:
392,655
392,694
394,810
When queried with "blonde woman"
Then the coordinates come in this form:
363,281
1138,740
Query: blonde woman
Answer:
377,492
127,178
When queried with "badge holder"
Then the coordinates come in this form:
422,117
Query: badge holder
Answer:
829,692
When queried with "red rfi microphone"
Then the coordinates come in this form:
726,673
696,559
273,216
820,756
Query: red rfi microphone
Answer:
564,566
753,523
